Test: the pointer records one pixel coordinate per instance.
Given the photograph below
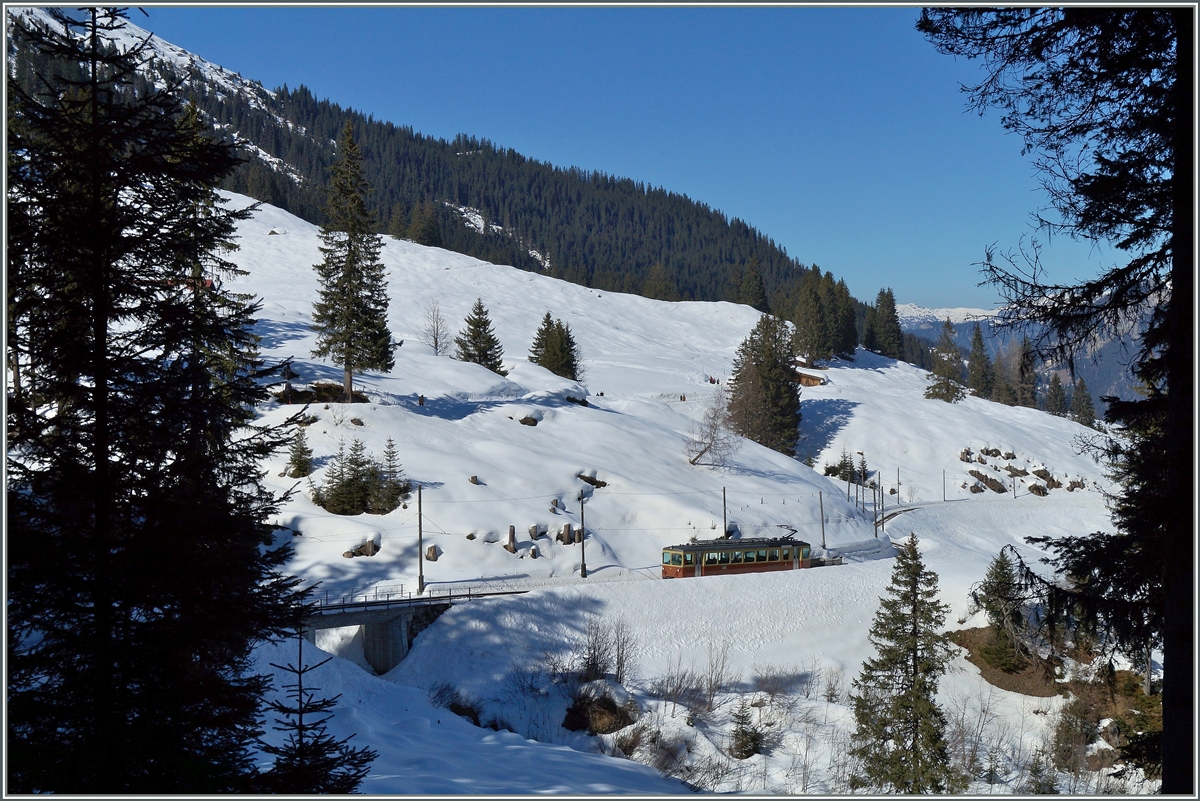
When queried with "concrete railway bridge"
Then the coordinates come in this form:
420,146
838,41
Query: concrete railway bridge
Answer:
384,619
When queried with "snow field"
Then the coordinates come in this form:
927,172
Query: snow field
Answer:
809,627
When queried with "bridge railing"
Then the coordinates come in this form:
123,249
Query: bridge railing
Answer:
388,597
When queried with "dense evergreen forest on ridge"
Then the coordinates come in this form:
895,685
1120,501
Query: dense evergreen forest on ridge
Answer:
592,228
605,232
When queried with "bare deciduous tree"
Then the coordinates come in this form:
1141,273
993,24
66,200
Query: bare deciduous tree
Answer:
709,438
435,334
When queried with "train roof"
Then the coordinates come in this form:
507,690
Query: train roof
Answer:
749,542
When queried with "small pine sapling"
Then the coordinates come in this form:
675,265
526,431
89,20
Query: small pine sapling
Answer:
311,761
300,457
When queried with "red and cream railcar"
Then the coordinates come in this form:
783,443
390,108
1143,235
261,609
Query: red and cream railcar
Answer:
723,557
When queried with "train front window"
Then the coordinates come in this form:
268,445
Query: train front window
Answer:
737,557
666,558
723,557
676,559
804,552
773,555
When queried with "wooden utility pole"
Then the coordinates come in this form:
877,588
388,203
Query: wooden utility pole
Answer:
582,540
821,500
943,486
420,548
897,484
724,516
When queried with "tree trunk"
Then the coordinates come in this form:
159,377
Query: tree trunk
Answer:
1178,741
348,383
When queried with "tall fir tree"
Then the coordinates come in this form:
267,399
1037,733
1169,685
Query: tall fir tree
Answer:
424,229
979,366
1056,397
142,566
1026,383
945,381
764,404
350,315
845,332
1082,411
751,290
900,732
889,340
310,761
477,342
554,348
811,339
1106,99
870,340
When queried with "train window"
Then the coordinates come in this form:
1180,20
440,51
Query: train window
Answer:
723,557
749,556
804,552
773,555
710,558
666,558
677,559
689,559
787,554
737,557
762,556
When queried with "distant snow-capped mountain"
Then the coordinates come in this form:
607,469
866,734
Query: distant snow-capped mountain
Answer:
914,318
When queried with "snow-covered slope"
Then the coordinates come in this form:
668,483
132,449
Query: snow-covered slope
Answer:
650,366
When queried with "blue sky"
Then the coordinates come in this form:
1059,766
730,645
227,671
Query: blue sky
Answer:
838,132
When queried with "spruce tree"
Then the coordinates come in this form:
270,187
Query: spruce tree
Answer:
537,351
424,229
979,366
944,381
845,332
999,595
1106,97
659,284
300,457
1026,384
310,761
899,736
1056,397
477,343
889,340
398,222
1082,409
811,339
744,740
350,315
389,486
751,290
554,348
142,569
764,404
870,340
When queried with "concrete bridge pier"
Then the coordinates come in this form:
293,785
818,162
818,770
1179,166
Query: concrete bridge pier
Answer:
386,643
384,630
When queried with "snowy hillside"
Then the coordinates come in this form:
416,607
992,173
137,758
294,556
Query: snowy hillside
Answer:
649,369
